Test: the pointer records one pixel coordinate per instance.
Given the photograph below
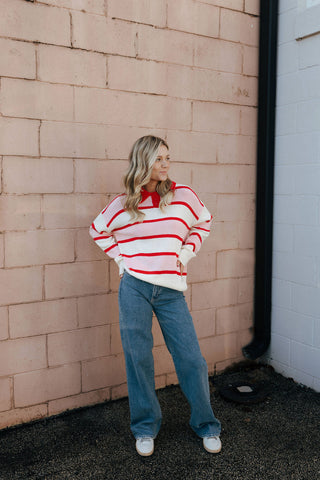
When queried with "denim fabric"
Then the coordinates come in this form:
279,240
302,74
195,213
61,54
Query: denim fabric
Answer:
137,300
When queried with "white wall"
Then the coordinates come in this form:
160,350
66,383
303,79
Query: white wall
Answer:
295,344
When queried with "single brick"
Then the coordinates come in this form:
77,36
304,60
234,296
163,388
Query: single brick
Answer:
252,6
39,247
249,121
19,212
73,279
19,136
98,310
216,117
240,149
192,147
216,178
137,75
203,269
18,59
86,248
219,348
204,322
239,27
34,22
217,54
22,355
165,45
42,317
22,415
100,34
235,208
250,60
42,385
69,211
32,99
59,139
19,285
194,17
99,176
103,372
75,345
40,175
218,293
71,66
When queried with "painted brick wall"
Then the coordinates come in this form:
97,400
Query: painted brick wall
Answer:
295,346
81,80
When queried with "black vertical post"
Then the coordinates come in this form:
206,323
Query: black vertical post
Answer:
265,179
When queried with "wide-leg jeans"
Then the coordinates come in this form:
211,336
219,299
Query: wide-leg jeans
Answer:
137,301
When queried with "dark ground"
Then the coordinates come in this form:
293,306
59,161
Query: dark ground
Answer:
276,439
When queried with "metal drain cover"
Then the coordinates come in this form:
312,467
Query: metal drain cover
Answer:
243,392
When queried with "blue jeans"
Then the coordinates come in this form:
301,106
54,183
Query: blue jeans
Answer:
137,300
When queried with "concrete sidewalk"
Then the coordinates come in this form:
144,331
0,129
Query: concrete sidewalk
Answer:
276,439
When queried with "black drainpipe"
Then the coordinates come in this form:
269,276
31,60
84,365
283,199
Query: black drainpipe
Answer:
264,182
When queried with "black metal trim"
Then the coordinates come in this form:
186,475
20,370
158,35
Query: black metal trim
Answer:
265,179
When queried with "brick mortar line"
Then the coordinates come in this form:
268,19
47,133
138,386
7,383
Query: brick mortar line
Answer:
139,58
135,23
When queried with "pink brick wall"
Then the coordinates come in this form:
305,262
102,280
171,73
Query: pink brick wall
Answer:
81,80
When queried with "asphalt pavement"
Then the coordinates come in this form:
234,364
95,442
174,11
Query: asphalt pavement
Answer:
276,439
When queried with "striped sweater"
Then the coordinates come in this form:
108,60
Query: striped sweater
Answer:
149,249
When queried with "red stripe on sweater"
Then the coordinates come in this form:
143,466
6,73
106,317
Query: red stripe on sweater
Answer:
188,188
157,272
197,234
112,246
94,228
204,229
102,237
186,205
155,254
193,245
114,216
152,221
149,237
115,198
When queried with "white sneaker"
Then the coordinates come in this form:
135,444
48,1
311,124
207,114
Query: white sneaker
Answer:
212,444
145,446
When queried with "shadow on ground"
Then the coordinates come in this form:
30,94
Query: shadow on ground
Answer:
276,439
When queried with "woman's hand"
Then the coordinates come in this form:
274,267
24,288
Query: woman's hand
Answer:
181,266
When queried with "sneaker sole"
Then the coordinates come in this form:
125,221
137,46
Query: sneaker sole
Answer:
212,451
143,454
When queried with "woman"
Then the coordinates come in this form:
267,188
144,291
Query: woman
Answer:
152,231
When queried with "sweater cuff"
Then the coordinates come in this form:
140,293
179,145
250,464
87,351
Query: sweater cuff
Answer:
186,254
120,263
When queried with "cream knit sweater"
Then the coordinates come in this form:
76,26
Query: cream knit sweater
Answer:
149,249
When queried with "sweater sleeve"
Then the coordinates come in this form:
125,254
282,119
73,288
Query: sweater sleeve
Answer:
197,234
102,235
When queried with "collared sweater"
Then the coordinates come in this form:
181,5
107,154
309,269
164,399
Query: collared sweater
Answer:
149,249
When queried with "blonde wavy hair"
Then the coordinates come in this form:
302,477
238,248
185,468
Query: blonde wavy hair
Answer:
142,157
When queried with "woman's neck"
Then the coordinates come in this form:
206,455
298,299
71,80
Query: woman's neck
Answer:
151,186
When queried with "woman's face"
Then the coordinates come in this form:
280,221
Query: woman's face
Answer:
161,166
